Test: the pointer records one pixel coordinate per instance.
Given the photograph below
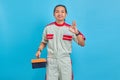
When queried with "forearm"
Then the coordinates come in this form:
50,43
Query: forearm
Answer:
81,40
42,46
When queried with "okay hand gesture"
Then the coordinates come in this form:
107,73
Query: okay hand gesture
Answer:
73,28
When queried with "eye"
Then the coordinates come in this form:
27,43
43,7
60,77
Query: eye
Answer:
63,11
56,11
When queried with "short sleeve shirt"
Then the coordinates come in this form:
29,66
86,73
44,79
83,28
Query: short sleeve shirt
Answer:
59,39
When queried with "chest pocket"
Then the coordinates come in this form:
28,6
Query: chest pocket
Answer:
67,37
49,36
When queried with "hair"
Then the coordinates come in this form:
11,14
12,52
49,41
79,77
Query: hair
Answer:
61,6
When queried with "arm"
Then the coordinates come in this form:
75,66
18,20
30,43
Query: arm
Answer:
42,44
79,35
80,38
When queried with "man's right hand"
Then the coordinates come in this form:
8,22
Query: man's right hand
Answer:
38,54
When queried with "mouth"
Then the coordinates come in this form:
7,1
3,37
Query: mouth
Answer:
60,16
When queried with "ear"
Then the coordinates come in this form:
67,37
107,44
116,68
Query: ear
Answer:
53,14
65,15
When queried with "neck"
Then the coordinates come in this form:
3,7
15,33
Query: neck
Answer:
59,22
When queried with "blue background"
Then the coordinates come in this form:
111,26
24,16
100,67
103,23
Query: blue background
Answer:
21,26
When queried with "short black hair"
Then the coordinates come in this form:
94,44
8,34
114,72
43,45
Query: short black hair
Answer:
62,6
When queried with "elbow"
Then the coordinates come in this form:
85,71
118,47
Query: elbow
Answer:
82,44
81,41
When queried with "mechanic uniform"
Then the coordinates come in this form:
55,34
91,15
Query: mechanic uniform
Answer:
59,41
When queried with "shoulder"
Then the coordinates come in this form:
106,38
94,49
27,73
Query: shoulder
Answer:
67,25
50,24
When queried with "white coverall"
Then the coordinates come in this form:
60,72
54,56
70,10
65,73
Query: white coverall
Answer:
59,41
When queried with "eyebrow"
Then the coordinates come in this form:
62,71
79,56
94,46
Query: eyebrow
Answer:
59,10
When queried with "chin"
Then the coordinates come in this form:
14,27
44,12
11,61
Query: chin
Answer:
60,19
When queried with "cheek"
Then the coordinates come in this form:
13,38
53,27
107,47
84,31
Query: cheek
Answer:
64,15
55,15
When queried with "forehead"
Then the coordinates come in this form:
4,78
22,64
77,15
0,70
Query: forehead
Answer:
60,8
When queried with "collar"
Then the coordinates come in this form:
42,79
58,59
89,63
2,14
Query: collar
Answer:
60,25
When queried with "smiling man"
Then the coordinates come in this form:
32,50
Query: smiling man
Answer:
58,37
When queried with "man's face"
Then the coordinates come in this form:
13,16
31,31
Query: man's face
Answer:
60,13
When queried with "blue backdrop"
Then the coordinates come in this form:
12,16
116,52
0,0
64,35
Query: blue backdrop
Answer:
21,26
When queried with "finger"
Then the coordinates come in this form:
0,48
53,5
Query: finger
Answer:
74,23
37,56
